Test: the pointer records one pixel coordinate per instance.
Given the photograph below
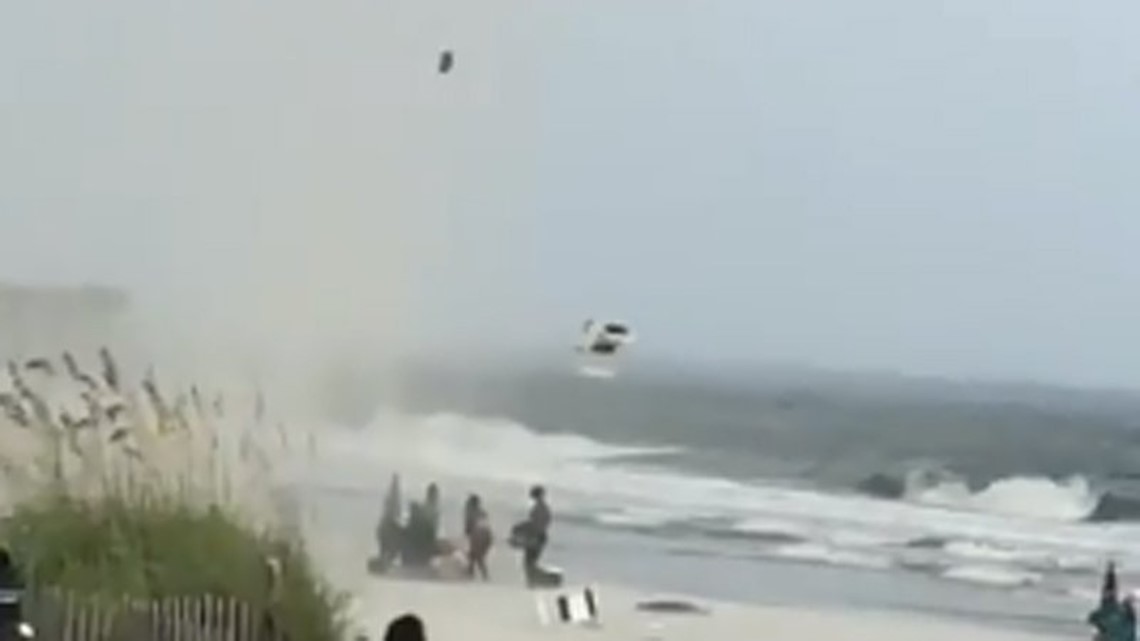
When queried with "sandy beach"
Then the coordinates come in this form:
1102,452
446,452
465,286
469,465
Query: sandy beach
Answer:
340,532
508,613
504,610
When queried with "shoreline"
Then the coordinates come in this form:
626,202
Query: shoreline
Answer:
643,562
504,609
633,563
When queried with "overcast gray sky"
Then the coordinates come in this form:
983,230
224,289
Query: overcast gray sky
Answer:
933,187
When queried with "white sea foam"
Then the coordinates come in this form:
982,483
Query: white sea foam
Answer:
1038,498
774,526
818,553
993,575
596,478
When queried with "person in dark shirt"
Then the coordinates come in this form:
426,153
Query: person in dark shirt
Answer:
538,527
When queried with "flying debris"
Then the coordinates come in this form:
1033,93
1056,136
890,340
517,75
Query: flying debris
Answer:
446,61
601,342
604,339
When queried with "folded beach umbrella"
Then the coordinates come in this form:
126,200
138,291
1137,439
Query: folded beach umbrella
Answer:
1108,588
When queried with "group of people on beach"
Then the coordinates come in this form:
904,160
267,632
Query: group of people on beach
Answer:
413,540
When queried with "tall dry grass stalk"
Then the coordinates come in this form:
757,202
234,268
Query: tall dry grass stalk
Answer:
118,491
66,432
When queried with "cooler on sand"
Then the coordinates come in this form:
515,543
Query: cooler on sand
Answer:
573,607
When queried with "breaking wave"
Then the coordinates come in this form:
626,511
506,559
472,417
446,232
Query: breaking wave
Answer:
1068,500
614,485
1038,498
1012,533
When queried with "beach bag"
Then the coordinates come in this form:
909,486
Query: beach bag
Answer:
522,536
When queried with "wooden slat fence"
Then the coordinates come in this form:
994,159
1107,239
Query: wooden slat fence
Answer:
60,616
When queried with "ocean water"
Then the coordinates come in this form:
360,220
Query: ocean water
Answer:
1000,503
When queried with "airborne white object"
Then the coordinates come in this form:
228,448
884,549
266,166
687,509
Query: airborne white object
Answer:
600,345
605,338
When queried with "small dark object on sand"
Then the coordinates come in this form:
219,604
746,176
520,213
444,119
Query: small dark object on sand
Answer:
671,606
446,61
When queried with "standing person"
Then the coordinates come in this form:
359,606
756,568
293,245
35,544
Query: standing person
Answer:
537,529
477,529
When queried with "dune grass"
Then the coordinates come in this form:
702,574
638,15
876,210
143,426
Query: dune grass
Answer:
159,517
115,548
